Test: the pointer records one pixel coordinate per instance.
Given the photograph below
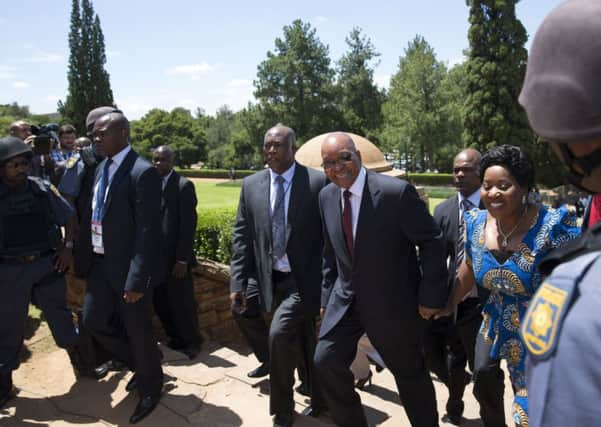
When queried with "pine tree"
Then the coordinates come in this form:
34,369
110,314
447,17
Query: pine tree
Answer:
495,71
89,85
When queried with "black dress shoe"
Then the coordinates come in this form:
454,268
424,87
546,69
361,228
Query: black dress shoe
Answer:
283,420
362,382
176,344
6,394
145,406
313,411
303,389
191,352
452,419
261,371
132,384
115,365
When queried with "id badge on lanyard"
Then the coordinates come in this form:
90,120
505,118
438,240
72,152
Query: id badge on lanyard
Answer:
97,234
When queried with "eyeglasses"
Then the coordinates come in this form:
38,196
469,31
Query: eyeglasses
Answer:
16,164
342,159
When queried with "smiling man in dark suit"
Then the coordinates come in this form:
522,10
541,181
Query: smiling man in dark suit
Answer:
374,282
453,338
125,236
276,267
174,300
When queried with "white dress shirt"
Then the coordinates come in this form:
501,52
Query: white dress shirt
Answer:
116,161
281,264
356,195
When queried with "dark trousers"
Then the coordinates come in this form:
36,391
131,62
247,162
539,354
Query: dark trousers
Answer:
336,351
123,329
175,304
287,344
446,358
19,284
489,383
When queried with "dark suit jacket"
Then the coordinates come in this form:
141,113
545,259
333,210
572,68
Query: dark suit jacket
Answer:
385,275
178,220
131,227
446,215
251,246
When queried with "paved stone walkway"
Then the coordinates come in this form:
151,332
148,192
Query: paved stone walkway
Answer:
211,391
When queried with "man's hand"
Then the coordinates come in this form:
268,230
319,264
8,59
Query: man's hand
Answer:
29,140
63,260
427,312
238,301
130,297
180,270
322,312
447,311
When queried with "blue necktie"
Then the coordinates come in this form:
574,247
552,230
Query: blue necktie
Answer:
101,193
278,220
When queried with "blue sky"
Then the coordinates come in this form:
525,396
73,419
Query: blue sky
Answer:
194,53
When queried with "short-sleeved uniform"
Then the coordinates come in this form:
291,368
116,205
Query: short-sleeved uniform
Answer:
70,184
512,284
31,277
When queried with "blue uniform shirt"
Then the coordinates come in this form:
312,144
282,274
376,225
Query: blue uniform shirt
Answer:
62,210
70,184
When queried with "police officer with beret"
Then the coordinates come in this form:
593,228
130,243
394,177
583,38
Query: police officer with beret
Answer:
31,213
562,328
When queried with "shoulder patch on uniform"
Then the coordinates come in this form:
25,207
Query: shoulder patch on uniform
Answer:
72,162
543,318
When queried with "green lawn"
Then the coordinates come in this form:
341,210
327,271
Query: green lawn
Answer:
225,194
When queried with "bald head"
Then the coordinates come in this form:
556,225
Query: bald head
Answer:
163,158
20,129
284,131
278,148
341,159
111,134
466,171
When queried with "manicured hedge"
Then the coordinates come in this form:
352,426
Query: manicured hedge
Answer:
214,173
430,178
214,234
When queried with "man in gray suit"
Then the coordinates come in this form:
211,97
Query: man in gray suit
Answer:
276,267
374,282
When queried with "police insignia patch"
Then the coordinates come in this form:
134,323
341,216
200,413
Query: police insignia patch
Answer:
540,326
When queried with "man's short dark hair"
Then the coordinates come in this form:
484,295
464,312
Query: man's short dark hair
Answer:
512,158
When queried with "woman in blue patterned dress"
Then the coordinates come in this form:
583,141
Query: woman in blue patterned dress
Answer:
503,247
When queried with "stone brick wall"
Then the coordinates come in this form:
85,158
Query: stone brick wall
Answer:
211,288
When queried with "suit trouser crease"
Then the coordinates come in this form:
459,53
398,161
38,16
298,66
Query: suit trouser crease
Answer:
175,305
123,329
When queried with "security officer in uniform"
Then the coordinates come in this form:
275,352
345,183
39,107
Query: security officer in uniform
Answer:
31,213
562,328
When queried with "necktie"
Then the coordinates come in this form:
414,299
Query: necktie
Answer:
466,205
278,220
347,221
100,195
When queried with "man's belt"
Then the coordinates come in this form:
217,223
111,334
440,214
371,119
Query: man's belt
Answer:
23,259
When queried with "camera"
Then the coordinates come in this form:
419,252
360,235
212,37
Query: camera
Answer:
44,138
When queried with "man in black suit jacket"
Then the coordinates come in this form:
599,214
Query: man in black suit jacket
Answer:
450,341
276,265
374,282
174,300
125,236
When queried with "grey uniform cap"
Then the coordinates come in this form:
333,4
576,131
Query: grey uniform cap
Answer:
97,113
562,88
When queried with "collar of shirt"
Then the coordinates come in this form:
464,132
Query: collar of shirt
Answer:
165,179
474,198
357,188
286,175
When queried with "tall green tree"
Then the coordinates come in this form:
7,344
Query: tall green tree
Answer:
415,117
495,72
89,85
359,97
294,84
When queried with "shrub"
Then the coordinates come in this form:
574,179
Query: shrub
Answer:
214,234
429,178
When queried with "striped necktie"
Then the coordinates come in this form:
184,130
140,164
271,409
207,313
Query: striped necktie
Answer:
466,205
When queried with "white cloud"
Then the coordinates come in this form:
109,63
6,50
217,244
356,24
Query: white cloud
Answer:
193,71
238,92
112,53
382,80
320,19
7,72
20,85
132,109
45,57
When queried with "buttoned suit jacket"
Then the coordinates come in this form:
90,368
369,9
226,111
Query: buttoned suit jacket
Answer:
131,227
252,241
178,220
385,275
